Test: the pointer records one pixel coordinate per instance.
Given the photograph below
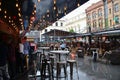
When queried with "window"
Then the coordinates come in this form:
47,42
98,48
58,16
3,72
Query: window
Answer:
61,24
93,15
110,11
101,22
99,12
116,7
116,19
45,30
88,17
94,24
110,22
56,24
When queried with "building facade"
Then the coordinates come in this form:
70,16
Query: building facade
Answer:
98,20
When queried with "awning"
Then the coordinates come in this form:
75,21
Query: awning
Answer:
110,32
60,33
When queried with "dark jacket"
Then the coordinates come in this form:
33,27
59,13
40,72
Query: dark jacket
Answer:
3,54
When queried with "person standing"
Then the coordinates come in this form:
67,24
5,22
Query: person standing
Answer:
95,55
3,58
11,58
26,51
63,46
21,56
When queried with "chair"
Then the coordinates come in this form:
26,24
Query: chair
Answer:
72,59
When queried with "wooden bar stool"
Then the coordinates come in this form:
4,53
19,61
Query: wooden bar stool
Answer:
61,64
72,59
46,70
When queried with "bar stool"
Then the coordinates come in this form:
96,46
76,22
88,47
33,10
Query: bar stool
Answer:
52,59
71,60
46,69
59,65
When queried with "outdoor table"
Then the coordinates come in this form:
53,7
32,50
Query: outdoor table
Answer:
94,48
59,52
44,48
79,50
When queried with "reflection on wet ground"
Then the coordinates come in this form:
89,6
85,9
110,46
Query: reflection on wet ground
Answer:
89,70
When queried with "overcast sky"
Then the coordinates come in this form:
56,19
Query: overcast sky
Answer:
44,5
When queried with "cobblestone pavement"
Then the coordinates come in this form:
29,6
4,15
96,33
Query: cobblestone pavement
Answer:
89,70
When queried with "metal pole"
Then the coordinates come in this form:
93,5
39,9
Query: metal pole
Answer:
105,13
113,12
54,35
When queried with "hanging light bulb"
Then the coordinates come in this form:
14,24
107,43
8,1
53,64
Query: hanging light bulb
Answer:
35,6
54,8
54,1
9,21
39,0
18,9
9,17
34,11
0,9
5,16
65,8
78,4
19,14
16,4
65,13
57,14
48,15
5,12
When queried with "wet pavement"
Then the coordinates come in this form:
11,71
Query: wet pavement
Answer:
89,70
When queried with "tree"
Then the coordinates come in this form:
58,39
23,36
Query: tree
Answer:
71,30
